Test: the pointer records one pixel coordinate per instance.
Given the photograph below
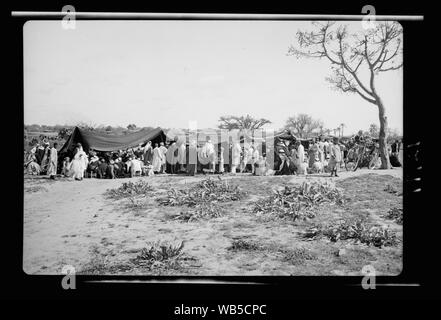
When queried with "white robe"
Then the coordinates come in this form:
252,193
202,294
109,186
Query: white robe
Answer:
235,154
53,161
79,164
182,154
157,159
300,155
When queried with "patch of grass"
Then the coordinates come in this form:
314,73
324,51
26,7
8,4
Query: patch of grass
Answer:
160,256
395,214
130,189
205,210
359,231
299,201
207,190
33,189
201,200
298,255
240,245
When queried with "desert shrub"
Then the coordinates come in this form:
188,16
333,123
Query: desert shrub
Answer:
207,190
361,232
298,255
160,255
238,245
129,189
201,200
395,214
299,201
200,211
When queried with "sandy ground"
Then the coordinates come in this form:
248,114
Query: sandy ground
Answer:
72,223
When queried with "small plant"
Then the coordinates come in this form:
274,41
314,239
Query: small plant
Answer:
371,235
160,256
200,211
239,245
298,255
205,191
395,214
160,251
130,189
299,201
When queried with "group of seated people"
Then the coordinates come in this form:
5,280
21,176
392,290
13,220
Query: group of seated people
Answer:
287,157
113,165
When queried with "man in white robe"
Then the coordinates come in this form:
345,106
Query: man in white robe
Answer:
182,156
53,162
235,156
157,159
164,152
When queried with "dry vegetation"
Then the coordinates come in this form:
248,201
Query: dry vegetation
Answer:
246,225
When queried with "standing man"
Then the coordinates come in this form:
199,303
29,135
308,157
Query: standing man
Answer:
148,154
164,152
53,162
321,151
235,156
335,157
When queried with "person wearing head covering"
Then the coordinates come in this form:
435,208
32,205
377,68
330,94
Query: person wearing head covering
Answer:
300,154
172,157
39,153
157,159
207,155
283,168
79,163
182,156
260,167
45,160
192,158
110,171
335,157
221,160
254,158
164,152
33,168
148,154
66,166
102,169
53,162
313,154
235,156
135,167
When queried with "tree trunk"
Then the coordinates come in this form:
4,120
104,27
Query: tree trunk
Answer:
384,154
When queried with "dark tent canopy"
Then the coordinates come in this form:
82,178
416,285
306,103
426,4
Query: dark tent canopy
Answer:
100,141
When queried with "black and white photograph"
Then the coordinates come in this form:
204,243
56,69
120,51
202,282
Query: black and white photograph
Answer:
213,148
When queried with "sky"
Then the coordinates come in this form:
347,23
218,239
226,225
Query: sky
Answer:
170,73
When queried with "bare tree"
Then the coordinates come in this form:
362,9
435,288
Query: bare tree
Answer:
352,56
243,122
303,125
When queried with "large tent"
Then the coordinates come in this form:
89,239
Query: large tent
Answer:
100,141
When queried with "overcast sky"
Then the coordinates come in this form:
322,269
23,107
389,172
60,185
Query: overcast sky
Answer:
167,73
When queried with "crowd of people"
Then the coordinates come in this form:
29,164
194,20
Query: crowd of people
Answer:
176,157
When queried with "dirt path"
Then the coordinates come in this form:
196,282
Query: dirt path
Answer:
72,223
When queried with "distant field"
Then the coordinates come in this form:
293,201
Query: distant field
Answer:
37,134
